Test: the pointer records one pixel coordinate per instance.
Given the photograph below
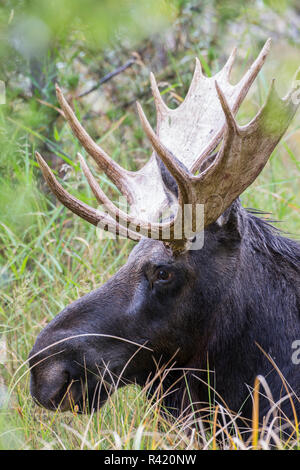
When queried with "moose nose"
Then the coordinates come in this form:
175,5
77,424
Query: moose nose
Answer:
55,388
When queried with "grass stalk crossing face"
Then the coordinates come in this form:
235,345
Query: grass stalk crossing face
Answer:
166,303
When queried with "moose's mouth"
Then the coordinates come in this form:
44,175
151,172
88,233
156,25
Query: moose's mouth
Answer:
91,400
66,387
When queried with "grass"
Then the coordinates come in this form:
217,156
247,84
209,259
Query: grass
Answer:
48,258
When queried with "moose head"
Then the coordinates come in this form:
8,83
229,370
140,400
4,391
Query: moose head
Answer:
177,300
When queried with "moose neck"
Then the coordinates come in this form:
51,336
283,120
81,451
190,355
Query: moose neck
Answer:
241,338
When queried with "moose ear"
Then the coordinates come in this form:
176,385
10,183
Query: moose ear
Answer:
231,221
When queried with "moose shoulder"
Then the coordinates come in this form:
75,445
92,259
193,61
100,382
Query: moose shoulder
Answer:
229,305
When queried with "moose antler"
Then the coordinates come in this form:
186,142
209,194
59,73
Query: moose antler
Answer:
184,138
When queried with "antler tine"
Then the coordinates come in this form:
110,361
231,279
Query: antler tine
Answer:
229,64
176,168
198,67
249,77
161,107
231,122
295,88
116,173
99,194
78,207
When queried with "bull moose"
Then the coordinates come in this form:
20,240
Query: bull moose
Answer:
222,300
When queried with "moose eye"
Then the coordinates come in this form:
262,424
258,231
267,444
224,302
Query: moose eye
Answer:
164,275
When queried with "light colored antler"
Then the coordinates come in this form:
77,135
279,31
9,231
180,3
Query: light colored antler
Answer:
195,128
183,139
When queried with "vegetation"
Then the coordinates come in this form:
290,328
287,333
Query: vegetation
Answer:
48,257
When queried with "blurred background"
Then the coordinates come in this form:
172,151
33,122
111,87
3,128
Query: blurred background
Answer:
101,54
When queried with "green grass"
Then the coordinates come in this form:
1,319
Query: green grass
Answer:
48,257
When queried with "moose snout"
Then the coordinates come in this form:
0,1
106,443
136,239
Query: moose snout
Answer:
55,387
